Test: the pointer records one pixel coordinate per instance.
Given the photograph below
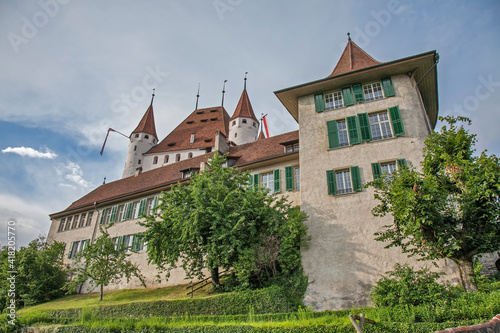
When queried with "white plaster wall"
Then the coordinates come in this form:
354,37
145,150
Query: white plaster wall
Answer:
245,132
343,260
133,156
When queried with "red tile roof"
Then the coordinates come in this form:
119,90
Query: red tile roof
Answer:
244,107
203,123
163,176
353,58
147,123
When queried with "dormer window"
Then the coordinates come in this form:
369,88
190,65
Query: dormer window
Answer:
204,120
190,122
193,137
214,110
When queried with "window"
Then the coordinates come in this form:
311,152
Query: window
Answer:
77,247
139,162
268,181
61,225
142,208
68,223
378,169
333,100
364,127
235,135
120,213
343,180
135,148
146,136
108,216
380,126
254,124
137,243
82,220
292,148
234,122
89,219
165,159
373,91
155,159
190,155
153,202
135,210
292,178
244,121
177,157
193,137
137,135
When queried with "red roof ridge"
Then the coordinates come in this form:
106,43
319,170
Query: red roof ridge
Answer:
353,58
244,107
147,123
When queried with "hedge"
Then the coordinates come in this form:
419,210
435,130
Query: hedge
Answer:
269,300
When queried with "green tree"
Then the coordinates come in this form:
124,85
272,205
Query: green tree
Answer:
40,272
103,263
450,209
217,222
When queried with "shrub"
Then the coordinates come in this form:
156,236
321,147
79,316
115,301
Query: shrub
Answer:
406,286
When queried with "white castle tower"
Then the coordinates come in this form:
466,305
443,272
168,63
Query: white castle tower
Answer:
141,140
243,125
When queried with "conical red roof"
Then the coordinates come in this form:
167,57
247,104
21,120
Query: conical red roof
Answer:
147,123
244,107
353,58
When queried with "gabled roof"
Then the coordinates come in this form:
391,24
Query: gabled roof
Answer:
161,178
203,123
147,123
353,58
244,107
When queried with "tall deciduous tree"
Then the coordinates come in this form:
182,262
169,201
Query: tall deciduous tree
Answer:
449,210
217,222
102,263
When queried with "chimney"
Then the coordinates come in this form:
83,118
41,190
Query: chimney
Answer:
138,171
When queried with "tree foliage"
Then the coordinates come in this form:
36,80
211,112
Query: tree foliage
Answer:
103,263
450,209
40,272
218,222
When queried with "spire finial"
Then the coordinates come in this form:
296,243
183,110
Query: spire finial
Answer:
223,91
197,97
349,36
153,97
245,86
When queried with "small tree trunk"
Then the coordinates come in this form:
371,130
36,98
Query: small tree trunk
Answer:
466,271
215,277
102,292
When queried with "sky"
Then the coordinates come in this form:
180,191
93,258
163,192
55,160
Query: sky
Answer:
71,69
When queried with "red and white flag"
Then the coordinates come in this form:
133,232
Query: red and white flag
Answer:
265,125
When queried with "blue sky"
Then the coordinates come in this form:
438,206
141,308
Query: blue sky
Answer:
71,69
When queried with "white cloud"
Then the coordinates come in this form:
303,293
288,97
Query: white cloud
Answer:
74,174
30,152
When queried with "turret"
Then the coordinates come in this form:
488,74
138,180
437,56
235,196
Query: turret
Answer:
243,125
141,140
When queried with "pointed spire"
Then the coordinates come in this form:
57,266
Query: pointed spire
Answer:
261,135
223,92
197,97
244,107
353,58
147,123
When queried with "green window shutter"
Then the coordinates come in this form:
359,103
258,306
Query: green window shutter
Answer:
376,170
250,182
352,128
256,181
113,214
319,102
347,96
333,135
71,250
397,123
142,207
356,179
138,240
129,210
103,213
330,179
359,95
401,162
277,183
289,178
364,127
387,87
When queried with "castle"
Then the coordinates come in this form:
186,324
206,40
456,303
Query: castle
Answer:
365,118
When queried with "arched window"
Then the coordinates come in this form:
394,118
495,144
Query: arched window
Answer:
190,155
155,160
146,136
165,159
177,157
